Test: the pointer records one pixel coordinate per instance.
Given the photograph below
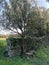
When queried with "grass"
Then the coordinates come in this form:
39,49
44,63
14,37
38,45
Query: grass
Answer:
40,58
2,38
2,42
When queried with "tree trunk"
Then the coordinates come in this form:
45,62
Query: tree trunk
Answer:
22,51
22,47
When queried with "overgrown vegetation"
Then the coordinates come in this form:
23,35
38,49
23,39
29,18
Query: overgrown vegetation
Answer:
41,57
25,18
31,24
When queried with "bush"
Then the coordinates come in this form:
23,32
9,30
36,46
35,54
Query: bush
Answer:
32,44
13,41
29,43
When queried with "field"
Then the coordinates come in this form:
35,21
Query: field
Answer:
40,58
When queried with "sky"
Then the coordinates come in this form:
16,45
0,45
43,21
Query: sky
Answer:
41,3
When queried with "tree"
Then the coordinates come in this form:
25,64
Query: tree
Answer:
45,15
1,1
21,17
47,0
17,17
37,23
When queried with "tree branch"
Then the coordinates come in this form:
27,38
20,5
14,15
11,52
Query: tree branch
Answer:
11,30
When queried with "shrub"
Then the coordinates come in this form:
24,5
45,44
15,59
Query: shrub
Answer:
13,41
29,43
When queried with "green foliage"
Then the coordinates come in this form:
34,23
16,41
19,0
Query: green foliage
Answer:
22,16
14,41
29,43
41,57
